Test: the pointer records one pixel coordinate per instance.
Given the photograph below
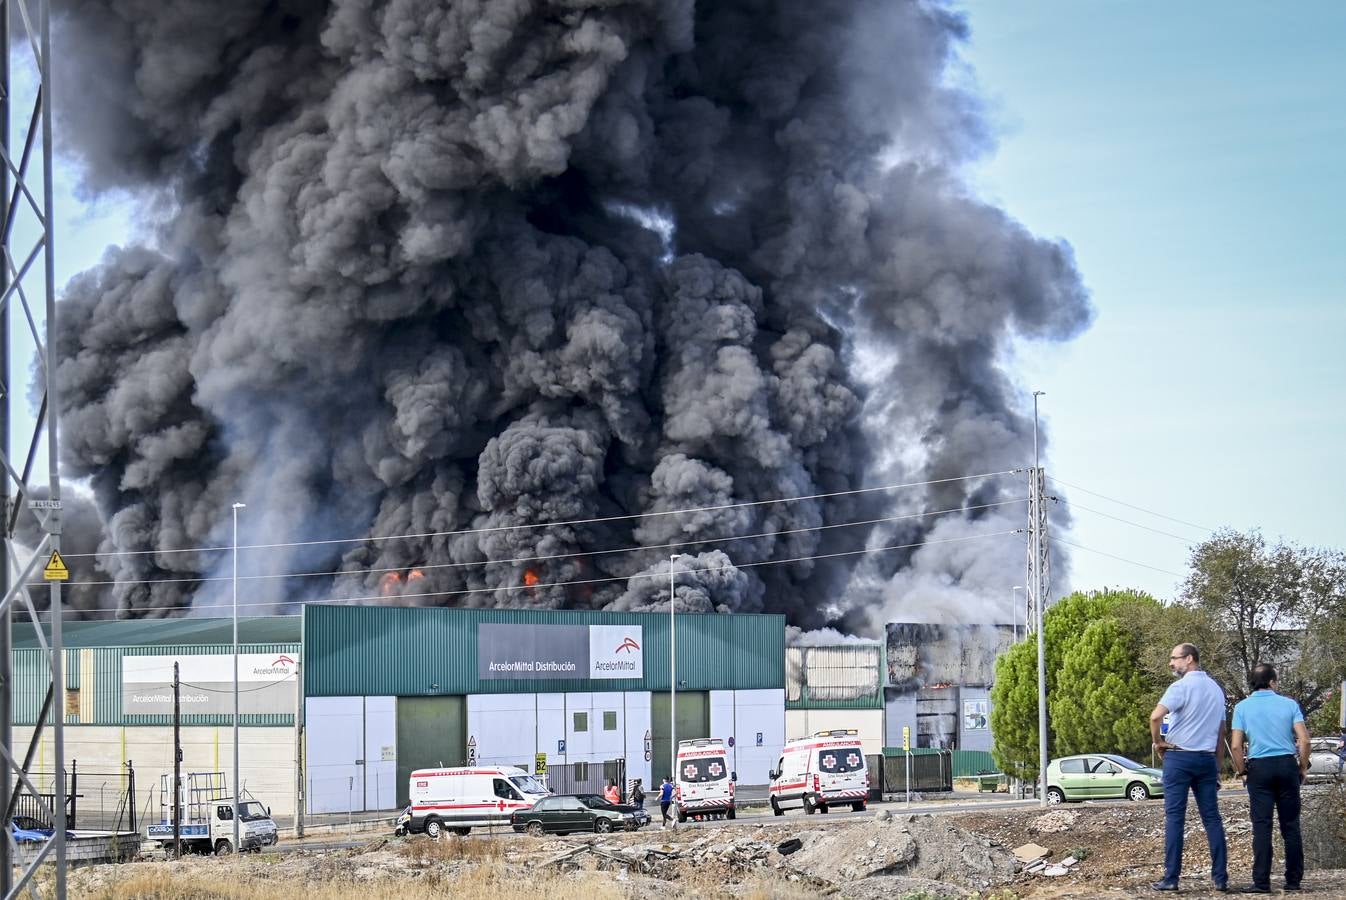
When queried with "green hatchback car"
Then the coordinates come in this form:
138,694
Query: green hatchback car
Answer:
1101,776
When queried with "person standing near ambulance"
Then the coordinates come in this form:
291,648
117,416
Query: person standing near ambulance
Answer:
1192,754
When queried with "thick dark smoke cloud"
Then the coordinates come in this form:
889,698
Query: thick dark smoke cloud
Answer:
425,267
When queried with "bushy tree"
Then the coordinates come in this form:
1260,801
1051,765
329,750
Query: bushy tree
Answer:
1014,710
1110,657
1103,697
1278,603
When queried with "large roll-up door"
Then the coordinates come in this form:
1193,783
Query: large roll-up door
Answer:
431,731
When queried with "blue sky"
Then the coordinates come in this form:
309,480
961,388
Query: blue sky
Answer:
1192,155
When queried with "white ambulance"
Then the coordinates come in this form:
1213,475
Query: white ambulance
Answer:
460,799
818,772
703,784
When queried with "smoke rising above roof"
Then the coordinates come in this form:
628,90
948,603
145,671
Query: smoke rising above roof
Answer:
425,267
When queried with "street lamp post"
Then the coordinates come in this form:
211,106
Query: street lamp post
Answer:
237,507
672,675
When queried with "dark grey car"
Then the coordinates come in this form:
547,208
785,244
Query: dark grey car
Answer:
566,813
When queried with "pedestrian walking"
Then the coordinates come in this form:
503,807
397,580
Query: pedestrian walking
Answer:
1267,735
638,794
666,799
1193,754
611,794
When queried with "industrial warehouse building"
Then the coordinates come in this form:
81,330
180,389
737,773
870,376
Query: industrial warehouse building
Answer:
339,705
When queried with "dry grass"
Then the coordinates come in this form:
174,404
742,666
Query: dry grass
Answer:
475,882
452,848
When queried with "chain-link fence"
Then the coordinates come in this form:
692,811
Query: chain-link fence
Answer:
96,799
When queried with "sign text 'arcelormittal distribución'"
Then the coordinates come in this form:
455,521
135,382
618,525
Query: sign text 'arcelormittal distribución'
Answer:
266,683
552,652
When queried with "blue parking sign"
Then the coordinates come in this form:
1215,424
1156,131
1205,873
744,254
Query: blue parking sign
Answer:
561,746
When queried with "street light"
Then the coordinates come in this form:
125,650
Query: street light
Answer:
237,507
1014,602
672,675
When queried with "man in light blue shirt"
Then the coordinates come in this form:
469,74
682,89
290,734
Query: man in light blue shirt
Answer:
1192,754
1274,727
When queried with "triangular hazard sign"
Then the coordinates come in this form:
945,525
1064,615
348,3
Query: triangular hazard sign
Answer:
56,570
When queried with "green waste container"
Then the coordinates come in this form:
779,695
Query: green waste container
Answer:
989,781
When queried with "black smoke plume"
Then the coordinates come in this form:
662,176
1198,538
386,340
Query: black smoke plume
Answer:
430,268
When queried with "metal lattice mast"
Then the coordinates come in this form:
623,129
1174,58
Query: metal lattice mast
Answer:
26,226
1039,559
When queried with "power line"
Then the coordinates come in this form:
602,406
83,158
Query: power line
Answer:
201,687
592,521
1133,562
1098,512
577,583
522,560
1131,505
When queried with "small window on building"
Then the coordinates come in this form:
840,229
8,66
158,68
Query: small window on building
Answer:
610,721
582,771
581,722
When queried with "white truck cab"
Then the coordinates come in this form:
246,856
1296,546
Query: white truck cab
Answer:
703,784
206,818
820,771
463,798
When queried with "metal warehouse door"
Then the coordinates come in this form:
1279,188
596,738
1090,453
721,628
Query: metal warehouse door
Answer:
693,722
431,731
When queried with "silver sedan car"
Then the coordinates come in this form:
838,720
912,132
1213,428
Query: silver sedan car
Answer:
1326,757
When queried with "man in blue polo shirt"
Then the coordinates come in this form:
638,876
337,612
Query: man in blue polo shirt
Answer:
1192,754
1268,732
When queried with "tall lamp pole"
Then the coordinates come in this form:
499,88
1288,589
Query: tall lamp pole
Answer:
236,508
1014,602
1037,608
672,676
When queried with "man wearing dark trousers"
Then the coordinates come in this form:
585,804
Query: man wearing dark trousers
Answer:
1268,732
1192,754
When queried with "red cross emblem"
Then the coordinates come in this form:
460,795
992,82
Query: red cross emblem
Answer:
829,761
715,770
852,760
689,772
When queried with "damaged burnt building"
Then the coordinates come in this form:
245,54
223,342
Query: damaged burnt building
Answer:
938,682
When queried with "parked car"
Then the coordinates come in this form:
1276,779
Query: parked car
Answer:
1099,776
1325,757
565,813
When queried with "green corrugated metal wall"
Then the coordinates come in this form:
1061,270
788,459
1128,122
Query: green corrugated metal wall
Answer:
393,651
31,678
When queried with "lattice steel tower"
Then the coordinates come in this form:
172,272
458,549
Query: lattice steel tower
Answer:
27,280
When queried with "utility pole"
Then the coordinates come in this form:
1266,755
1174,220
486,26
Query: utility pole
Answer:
1038,568
177,767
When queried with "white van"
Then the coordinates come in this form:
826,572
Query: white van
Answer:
819,772
460,799
703,784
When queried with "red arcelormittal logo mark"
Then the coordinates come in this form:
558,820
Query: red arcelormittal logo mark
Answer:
628,644
283,660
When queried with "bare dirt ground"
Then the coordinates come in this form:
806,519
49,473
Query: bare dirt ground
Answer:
889,855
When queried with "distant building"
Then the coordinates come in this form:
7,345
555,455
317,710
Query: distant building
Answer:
939,681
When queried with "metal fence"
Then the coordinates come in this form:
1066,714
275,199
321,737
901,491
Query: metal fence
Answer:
931,770
97,799
587,777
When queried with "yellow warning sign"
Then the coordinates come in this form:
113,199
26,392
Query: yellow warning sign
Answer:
56,570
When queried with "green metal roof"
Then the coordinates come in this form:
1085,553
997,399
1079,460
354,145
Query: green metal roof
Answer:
429,651
176,632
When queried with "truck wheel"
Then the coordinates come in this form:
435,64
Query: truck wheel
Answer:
682,815
775,808
730,814
223,847
858,806
809,807
823,808
434,829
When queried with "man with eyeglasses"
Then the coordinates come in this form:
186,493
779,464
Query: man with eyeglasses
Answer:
1192,754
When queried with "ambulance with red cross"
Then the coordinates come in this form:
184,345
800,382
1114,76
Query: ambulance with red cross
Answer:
821,771
703,786
460,799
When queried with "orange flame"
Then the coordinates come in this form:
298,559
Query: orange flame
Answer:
529,577
388,584
415,575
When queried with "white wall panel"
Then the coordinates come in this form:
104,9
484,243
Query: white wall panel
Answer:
757,711
869,722
334,729
637,727
505,727
380,742
551,726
